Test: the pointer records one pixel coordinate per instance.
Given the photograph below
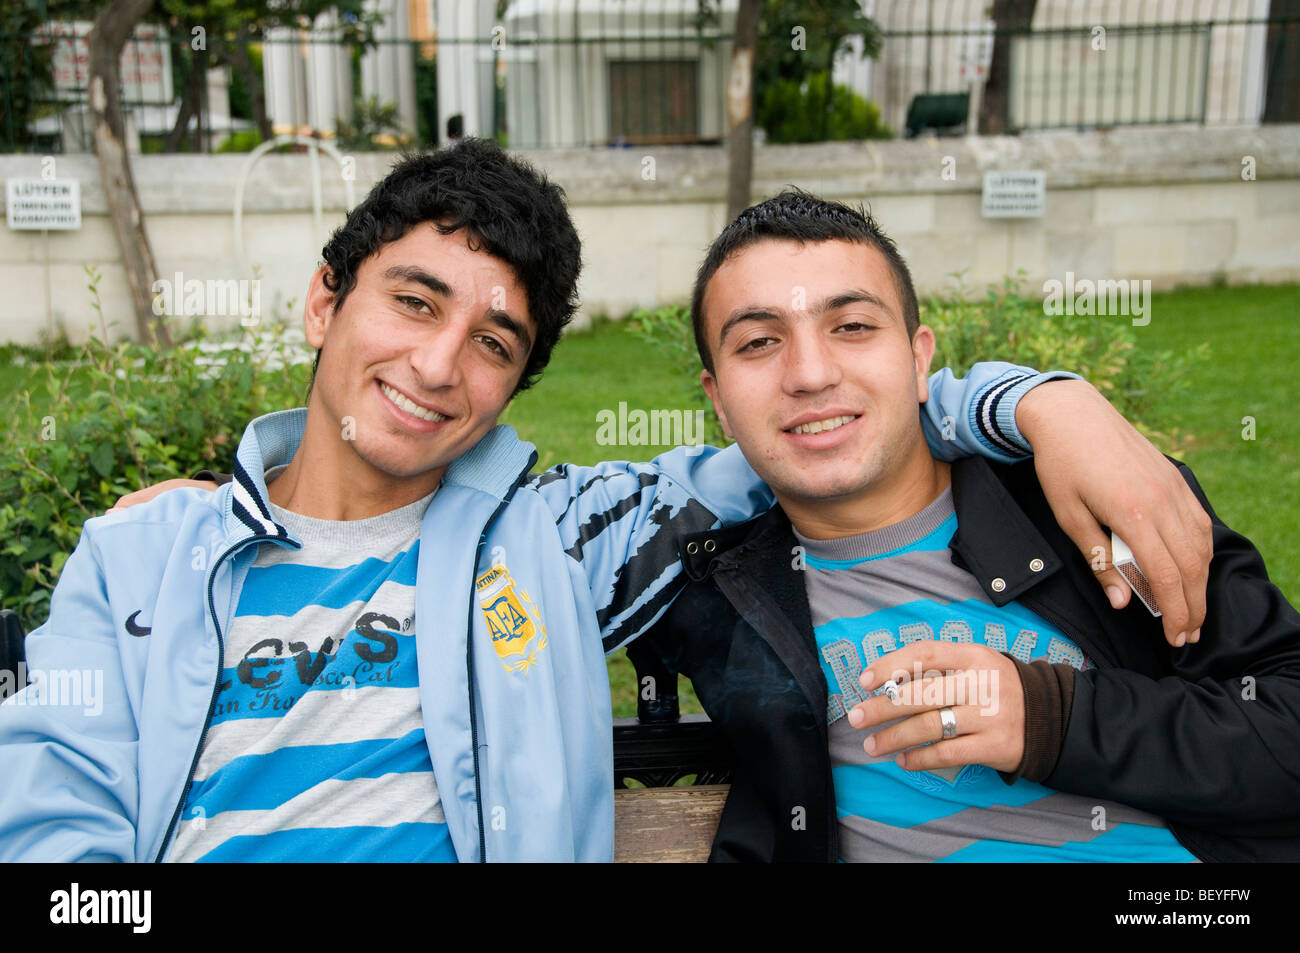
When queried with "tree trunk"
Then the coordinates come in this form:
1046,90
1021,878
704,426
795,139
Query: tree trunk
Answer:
1282,79
112,27
191,94
740,109
1009,16
256,94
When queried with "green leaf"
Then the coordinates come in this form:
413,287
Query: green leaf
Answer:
101,458
37,550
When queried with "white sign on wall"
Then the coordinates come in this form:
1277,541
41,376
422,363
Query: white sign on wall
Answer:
36,204
1014,194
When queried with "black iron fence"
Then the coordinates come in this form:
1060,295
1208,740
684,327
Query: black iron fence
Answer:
566,73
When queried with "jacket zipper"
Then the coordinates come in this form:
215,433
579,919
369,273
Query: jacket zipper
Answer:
216,687
469,654
469,668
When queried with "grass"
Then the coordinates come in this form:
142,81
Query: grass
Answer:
1254,337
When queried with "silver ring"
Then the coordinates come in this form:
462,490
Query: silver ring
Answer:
949,721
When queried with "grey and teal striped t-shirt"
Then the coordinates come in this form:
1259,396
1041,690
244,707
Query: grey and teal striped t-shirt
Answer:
316,749
876,592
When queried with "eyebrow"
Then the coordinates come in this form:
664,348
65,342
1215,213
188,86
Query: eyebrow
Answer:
420,276
833,303
505,322
741,315
855,296
514,327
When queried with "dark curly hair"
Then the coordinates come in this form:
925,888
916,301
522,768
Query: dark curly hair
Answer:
506,206
795,215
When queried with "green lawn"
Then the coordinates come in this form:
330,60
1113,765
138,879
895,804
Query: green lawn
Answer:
1254,337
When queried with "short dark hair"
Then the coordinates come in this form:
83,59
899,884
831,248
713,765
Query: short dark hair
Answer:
796,216
504,205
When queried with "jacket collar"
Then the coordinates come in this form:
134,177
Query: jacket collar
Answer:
494,465
998,543
269,441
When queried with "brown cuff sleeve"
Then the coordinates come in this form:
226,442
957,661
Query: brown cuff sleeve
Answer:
1049,693
220,479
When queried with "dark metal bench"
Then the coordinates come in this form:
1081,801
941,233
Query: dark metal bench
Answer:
11,645
657,749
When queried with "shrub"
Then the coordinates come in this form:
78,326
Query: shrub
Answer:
374,126
1007,326
245,140
118,417
795,112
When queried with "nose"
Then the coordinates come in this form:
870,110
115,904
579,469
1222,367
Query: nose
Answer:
810,366
436,359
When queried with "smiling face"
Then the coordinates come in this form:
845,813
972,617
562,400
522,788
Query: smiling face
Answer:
814,374
420,359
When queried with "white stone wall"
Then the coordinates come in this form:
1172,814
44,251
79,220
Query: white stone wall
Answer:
1168,205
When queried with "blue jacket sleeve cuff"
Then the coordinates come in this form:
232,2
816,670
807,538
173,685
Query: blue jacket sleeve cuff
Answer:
995,411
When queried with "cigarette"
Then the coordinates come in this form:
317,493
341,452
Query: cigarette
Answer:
891,689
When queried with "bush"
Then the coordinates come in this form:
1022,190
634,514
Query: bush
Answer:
117,418
1007,326
790,111
374,126
245,140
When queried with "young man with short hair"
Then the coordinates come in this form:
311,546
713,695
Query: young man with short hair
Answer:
385,638
1027,720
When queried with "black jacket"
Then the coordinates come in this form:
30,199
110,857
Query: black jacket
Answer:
1206,736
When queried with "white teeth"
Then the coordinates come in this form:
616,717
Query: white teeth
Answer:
817,426
410,406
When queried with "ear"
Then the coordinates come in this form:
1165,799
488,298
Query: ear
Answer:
710,384
923,345
318,308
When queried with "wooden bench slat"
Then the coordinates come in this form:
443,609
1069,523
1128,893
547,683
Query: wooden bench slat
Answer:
667,825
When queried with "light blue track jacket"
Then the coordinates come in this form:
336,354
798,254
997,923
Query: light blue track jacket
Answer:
524,583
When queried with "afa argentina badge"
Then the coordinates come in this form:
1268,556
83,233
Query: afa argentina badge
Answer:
513,622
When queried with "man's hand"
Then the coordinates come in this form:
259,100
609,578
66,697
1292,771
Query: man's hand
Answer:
980,686
1095,470
149,492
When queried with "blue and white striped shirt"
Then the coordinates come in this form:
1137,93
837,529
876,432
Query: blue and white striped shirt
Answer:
316,749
